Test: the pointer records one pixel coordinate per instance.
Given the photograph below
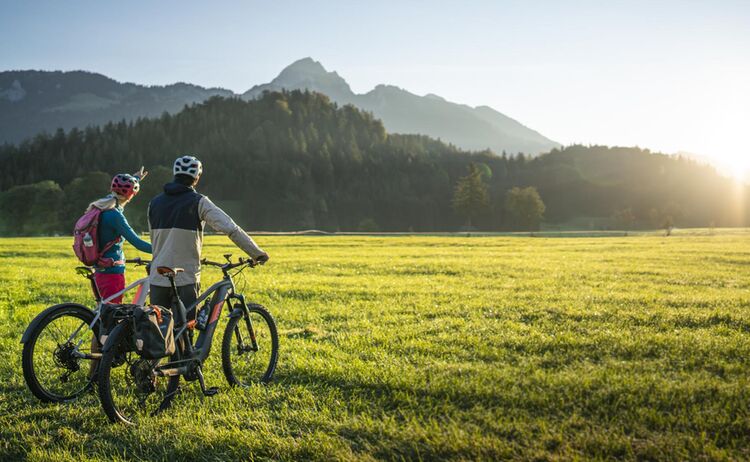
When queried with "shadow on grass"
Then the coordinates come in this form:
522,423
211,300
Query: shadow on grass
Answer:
389,396
393,411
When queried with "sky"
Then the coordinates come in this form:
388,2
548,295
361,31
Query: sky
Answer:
666,75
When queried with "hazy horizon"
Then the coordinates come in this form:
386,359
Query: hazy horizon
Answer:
669,77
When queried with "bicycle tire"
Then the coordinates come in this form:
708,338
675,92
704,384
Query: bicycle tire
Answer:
120,334
30,373
230,371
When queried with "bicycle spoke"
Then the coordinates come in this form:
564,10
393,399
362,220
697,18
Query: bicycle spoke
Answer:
60,337
74,334
57,366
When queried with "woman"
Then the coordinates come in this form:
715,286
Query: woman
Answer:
113,226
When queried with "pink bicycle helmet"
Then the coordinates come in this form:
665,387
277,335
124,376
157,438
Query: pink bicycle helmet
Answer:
125,185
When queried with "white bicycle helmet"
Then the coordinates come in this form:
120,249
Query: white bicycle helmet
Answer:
188,165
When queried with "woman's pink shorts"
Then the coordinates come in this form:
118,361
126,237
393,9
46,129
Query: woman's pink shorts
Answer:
109,284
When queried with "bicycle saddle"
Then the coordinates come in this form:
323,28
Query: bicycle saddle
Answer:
168,272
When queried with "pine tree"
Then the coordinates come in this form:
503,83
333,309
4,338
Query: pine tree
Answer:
470,198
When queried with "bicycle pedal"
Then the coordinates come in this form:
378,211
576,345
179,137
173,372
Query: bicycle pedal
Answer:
212,391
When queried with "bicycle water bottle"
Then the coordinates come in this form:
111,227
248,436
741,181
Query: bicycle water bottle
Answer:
88,241
201,320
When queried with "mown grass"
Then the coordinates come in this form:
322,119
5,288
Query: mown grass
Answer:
437,348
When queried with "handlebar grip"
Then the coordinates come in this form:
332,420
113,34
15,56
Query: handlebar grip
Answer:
211,263
138,261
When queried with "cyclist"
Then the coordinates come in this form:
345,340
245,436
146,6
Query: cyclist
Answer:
176,218
113,226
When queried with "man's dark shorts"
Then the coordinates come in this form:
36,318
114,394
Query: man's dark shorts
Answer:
188,294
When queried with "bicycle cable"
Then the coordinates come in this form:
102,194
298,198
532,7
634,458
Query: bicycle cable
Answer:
242,285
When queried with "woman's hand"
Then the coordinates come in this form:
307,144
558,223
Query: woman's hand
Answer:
140,174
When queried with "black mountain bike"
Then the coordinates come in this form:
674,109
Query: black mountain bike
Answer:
132,388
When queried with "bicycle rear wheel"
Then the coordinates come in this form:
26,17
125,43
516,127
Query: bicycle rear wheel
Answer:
54,361
128,390
250,348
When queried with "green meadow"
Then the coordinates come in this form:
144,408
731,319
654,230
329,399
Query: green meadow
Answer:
425,348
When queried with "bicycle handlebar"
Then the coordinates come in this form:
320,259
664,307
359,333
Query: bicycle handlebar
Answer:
138,261
229,265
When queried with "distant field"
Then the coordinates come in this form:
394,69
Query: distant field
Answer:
437,348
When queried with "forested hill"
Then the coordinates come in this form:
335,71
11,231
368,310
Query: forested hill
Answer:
297,161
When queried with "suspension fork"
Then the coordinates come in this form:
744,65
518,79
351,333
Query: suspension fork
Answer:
248,322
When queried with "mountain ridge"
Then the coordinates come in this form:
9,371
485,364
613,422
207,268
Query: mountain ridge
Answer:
32,101
478,129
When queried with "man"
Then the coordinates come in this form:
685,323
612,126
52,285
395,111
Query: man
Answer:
176,218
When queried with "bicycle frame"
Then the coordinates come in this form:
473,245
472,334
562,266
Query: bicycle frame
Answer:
223,292
139,299
140,296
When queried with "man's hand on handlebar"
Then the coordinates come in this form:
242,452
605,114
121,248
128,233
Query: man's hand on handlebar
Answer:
262,258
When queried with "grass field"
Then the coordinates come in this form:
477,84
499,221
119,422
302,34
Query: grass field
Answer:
437,348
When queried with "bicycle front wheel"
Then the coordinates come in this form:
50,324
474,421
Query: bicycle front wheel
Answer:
250,348
57,365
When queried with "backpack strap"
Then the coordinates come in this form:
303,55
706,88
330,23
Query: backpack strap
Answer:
110,244
109,262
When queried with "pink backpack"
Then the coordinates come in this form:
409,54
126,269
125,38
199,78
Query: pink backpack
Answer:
86,240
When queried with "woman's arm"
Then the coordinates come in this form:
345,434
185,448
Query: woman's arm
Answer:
123,229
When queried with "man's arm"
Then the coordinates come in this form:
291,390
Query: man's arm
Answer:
220,221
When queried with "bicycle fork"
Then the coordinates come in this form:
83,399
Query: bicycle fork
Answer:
245,313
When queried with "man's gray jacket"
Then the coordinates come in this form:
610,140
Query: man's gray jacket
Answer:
176,219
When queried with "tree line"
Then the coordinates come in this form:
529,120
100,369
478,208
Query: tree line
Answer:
295,160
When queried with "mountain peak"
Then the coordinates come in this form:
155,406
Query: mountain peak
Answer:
304,66
306,73
385,88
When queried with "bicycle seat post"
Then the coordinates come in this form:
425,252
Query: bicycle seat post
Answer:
172,283
178,307
176,302
95,288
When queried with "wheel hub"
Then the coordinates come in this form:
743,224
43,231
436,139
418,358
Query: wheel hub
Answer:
65,357
144,381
